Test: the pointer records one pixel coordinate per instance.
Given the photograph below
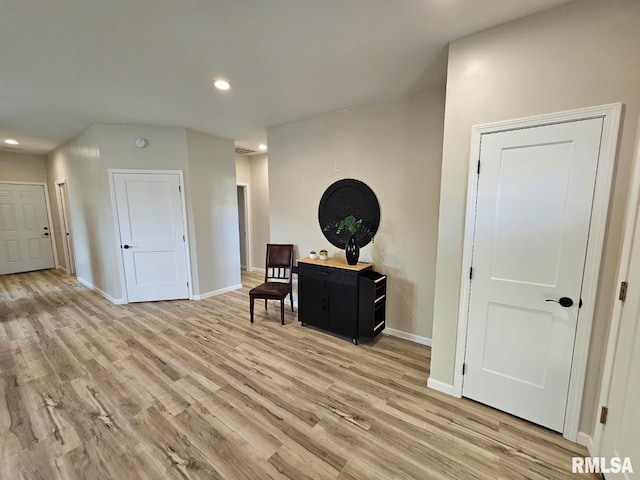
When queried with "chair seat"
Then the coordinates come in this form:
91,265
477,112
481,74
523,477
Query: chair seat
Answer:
273,290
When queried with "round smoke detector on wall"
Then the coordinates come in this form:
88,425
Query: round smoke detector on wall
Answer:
141,142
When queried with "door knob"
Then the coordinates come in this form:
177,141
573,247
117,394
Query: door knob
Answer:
564,301
46,234
127,246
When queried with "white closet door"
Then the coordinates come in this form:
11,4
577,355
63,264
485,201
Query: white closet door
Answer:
535,192
25,235
149,210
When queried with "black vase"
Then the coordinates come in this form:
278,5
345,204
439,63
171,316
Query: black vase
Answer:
352,250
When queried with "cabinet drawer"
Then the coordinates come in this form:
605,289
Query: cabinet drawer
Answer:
334,275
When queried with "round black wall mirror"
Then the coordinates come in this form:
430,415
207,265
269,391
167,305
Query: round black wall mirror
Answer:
348,197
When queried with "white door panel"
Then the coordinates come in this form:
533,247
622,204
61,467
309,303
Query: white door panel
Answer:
535,192
149,209
25,240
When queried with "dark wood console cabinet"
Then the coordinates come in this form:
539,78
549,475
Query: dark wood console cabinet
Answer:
333,295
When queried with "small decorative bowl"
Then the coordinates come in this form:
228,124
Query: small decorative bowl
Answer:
323,257
313,256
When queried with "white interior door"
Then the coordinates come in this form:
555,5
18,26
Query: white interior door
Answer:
25,236
620,435
150,217
535,193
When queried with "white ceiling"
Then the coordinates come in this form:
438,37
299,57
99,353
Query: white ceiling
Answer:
65,65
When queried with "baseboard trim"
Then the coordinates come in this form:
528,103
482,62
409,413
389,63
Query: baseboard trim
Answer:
583,439
257,270
440,386
60,267
217,292
91,286
408,336
586,440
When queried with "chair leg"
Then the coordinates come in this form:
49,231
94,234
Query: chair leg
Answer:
265,303
282,310
251,308
291,298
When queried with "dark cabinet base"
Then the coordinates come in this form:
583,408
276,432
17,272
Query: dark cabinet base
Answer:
336,299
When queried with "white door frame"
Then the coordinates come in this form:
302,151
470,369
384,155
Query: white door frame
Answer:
611,121
247,220
49,217
632,212
66,250
111,172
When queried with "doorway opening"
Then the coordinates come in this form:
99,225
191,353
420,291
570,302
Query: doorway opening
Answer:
62,196
243,226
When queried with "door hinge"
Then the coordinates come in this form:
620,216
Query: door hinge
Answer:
180,188
464,368
187,284
471,273
603,415
184,239
478,167
623,291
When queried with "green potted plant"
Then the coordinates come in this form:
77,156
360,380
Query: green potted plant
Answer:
351,225
313,255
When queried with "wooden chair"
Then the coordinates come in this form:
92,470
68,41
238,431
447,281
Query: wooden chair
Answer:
277,278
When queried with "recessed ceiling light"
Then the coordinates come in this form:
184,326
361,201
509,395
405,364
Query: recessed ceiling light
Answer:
11,141
262,147
221,84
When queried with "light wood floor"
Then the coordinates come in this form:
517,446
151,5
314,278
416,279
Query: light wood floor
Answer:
192,390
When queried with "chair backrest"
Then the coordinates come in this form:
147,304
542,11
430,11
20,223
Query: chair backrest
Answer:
279,263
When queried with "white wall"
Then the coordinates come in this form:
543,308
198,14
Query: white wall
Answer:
166,150
21,167
260,234
577,55
212,190
395,148
243,169
84,163
253,170
78,162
